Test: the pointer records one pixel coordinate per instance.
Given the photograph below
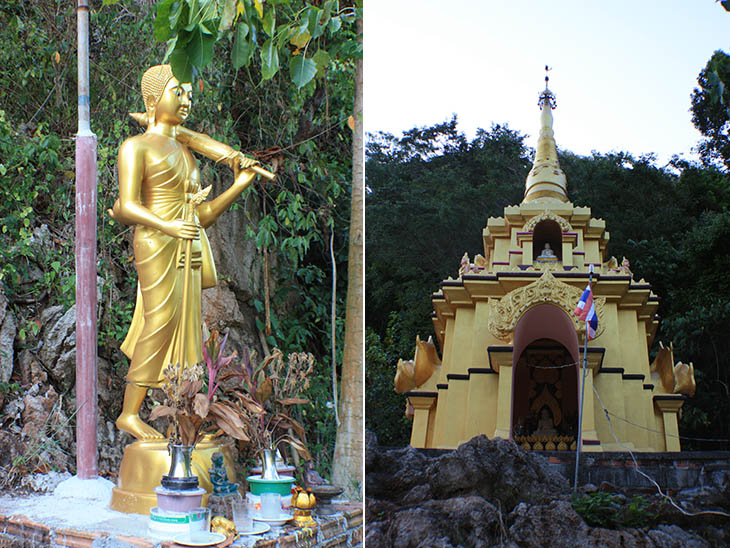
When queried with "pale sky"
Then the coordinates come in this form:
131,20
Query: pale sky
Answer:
622,71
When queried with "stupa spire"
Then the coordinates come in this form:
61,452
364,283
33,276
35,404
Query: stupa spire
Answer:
546,179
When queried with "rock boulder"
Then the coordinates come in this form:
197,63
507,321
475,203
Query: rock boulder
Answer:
7,339
493,493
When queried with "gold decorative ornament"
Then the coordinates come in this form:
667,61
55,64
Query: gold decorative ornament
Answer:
547,216
546,179
222,526
552,266
676,378
303,501
413,373
506,312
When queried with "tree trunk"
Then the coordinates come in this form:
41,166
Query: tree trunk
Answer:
347,462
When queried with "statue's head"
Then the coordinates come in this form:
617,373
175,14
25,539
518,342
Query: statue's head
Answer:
164,96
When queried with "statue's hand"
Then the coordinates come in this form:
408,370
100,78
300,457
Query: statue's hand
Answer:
241,172
184,230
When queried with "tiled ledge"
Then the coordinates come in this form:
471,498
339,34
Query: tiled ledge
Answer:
343,530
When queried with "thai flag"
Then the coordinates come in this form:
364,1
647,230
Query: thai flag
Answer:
586,311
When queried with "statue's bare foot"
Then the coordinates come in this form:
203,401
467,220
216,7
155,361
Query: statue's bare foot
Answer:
132,424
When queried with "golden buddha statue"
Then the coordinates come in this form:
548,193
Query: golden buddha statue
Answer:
158,182
160,193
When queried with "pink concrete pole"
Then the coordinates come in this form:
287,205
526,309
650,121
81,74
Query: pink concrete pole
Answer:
86,375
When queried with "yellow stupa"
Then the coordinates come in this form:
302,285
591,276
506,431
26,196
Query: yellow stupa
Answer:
512,346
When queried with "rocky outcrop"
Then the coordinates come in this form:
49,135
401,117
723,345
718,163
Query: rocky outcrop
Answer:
111,443
492,493
236,257
532,524
496,470
222,311
57,350
7,339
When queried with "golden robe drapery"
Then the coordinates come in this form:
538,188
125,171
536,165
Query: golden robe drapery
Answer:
154,334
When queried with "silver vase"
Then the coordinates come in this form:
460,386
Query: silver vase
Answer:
180,459
180,476
268,465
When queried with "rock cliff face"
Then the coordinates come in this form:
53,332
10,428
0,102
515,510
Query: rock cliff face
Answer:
240,274
489,493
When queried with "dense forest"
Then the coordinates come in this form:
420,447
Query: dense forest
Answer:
277,250
430,192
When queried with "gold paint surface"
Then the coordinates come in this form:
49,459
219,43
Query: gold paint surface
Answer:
158,182
145,462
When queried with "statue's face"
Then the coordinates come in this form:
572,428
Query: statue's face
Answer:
175,103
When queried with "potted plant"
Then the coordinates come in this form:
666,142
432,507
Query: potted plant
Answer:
246,400
274,386
193,412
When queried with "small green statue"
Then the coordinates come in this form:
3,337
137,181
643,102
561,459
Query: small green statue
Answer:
219,477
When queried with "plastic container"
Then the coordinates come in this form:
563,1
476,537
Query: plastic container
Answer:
282,486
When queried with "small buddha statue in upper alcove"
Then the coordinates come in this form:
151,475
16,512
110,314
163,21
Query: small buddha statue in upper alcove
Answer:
547,253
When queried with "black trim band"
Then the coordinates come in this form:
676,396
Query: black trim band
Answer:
422,394
633,377
457,377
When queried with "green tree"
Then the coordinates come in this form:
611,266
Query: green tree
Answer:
302,37
348,455
429,194
311,40
384,409
711,109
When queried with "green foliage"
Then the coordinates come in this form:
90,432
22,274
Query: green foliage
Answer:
428,196
711,109
34,194
303,35
319,418
10,388
384,409
602,509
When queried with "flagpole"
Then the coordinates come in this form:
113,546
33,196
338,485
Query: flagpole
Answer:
582,395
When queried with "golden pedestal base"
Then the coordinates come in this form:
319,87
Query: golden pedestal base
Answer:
144,463
303,518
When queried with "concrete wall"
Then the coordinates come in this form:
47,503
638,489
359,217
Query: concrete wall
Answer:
671,471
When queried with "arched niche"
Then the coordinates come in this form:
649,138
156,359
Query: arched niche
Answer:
544,370
547,231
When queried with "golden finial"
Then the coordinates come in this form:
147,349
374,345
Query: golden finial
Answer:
547,96
546,179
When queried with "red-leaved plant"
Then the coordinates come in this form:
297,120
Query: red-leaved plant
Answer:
248,401
194,413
